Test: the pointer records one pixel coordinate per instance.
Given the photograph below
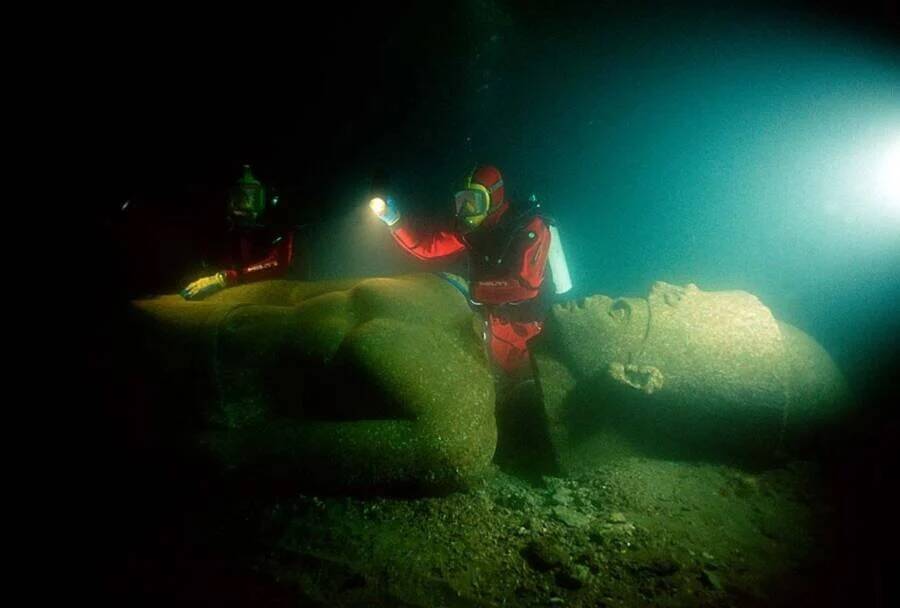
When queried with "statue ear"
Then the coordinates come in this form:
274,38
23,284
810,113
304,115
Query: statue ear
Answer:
620,310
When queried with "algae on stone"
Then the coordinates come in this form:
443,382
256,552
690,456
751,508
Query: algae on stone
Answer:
376,382
683,372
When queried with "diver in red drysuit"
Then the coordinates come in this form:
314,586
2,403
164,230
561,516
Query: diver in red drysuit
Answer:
254,251
507,260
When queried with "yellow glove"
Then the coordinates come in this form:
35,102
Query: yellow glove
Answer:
201,288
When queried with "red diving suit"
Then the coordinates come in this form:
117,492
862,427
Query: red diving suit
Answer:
507,261
256,254
251,250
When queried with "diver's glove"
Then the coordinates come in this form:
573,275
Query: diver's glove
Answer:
385,209
206,286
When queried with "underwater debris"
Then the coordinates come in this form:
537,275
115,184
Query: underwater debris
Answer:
711,579
571,517
617,518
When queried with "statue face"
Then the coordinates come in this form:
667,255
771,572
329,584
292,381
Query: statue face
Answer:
601,314
593,332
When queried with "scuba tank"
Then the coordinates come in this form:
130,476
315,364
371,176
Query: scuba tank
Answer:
556,260
556,256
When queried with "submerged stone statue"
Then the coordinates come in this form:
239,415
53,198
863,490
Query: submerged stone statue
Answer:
683,372
382,383
348,384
